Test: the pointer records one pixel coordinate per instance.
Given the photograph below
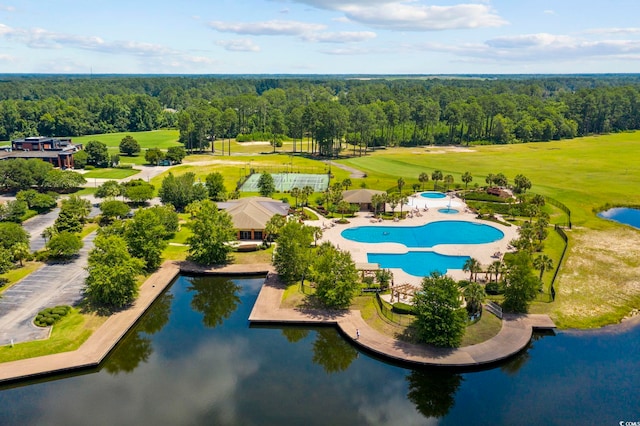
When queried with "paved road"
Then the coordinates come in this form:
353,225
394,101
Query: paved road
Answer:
54,284
36,225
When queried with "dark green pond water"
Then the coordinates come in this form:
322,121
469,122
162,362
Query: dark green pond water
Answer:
194,360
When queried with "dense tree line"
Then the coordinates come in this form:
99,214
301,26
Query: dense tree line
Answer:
323,113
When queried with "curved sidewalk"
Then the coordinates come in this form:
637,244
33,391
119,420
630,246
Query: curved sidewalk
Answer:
514,336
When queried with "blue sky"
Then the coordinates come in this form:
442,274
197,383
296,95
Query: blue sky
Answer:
319,36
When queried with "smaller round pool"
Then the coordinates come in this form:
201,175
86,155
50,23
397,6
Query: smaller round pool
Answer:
432,194
448,211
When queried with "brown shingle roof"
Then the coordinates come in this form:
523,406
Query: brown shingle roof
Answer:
253,212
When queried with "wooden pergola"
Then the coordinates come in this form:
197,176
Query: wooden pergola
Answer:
405,290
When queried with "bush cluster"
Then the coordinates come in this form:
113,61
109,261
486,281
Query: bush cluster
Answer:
50,316
403,308
494,288
483,196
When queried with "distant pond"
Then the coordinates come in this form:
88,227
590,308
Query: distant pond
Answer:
625,215
193,359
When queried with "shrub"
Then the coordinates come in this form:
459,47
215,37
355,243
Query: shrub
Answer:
50,316
89,167
494,288
402,308
124,166
483,196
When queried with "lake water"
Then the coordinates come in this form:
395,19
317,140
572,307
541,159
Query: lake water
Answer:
623,215
194,360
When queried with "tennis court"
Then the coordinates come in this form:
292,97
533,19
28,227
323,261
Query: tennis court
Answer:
287,181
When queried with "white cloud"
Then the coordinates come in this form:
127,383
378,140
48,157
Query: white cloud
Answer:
549,12
530,40
153,55
239,45
613,31
4,8
7,58
540,48
339,37
411,15
266,28
353,51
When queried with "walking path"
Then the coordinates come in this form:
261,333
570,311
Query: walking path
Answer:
354,173
514,336
54,284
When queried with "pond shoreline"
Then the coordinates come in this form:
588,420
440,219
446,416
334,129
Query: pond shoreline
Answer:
514,336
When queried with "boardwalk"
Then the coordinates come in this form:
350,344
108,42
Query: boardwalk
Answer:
514,336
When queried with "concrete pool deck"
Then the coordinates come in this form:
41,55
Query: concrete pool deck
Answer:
482,252
513,337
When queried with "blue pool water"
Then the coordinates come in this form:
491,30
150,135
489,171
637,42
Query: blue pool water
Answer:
623,215
429,235
448,211
418,263
432,194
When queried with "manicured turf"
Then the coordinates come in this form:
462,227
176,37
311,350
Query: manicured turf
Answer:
583,173
67,335
110,173
235,167
162,139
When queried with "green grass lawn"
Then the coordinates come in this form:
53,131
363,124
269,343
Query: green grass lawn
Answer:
487,327
67,335
110,173
583,173
162,139
235,167
17,274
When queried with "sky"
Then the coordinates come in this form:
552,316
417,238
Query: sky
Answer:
320,36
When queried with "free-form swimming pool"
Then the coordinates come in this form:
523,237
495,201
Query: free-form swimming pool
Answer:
428,235
432,194
418,263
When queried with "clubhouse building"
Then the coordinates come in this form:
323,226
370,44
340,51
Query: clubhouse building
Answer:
56,151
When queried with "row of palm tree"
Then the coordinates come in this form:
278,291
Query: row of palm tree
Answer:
498,269
393,199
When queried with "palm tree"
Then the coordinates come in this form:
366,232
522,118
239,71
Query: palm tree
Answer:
543,263
393,200
474,294
402,200
415,187
317,234
490,179
296,192
423,178
472,266
376,199
495,268
466,178
448,180
305,193
435,177
400,185
344,207
346,183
